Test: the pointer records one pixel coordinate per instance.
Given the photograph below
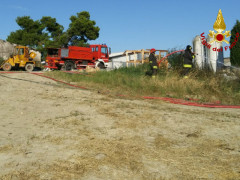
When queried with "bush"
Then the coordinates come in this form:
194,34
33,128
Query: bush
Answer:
176,59
235,50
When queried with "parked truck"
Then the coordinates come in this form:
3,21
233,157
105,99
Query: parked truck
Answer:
75,57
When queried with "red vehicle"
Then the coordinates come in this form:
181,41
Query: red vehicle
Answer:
75,57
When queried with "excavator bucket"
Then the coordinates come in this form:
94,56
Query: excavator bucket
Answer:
33,55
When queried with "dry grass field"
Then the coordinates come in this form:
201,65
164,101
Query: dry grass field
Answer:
53,131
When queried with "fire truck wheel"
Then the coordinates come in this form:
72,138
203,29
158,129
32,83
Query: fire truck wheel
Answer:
100,65
29,67
69,66
7,67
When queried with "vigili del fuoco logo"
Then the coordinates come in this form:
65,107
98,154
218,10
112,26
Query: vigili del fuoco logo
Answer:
219,36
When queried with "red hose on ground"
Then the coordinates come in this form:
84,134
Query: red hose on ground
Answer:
184,102
10,72
166,99
59,81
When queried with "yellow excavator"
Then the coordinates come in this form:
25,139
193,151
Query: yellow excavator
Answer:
22,59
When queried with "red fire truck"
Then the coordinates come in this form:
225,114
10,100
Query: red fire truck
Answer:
75,57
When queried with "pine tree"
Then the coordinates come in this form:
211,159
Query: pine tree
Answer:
82,29
46,32
235,44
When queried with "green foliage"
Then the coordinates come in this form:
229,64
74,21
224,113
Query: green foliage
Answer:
82,29
133,71
176,60
235,50
47,32
202,85
53,31
30,33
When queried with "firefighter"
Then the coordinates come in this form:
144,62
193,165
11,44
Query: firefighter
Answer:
187,62
153,63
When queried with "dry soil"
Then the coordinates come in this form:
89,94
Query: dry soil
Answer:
52,131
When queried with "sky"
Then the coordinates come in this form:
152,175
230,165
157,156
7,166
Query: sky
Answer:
129,24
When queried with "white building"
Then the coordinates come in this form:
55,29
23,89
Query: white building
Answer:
127,58
117,60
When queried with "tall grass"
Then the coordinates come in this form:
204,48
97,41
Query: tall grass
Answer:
202,85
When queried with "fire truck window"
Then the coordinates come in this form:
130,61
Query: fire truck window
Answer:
104,50
93,49
52,52
97,49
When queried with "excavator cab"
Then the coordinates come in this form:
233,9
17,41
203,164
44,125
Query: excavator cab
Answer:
23,54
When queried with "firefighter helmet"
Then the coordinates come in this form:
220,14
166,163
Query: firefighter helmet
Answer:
152,50
188,47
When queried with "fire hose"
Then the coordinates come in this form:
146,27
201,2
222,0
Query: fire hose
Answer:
166,99
169,55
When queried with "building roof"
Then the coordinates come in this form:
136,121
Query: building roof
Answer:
116,54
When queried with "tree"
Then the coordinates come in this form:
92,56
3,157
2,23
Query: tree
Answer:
30,33
82,29
46,32
53,31
235,50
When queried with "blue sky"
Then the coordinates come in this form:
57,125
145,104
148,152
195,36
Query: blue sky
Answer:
129,24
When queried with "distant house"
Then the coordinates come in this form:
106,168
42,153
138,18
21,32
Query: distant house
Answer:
117,60
132,58
128,58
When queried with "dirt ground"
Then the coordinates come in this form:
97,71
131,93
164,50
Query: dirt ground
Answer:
52,131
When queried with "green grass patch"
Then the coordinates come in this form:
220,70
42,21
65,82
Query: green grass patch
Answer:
202,85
